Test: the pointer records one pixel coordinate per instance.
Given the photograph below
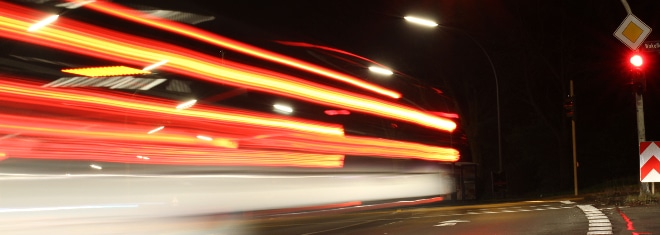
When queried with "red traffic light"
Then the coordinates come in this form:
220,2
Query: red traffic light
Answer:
636,60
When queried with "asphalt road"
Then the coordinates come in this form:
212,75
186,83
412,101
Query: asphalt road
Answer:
527,217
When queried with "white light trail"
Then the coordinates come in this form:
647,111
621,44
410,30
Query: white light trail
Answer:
43,23
283,108
186,104
156,65
157,129
206,138
96,167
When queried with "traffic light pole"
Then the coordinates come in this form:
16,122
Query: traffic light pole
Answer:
639,86
641,132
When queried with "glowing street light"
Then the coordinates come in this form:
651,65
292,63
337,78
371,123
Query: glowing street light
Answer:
420,21
43,23
380,70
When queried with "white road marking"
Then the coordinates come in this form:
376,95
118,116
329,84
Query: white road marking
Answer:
450,223
598,222
506,210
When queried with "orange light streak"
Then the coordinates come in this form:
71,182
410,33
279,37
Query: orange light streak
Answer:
18,92
44,127
192,32
77,131
105,71
225,136
72,36
46,138
352,145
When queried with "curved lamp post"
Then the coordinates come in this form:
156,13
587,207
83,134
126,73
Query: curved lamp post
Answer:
430,23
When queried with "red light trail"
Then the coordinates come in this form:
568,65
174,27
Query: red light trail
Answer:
156,109
192,32
230,129
73,36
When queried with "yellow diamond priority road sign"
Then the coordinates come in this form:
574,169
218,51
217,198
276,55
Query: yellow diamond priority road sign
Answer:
632,32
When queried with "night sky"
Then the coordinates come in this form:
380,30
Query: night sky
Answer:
535,47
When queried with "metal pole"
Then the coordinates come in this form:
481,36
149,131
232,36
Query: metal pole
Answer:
575,178
641,131
497,92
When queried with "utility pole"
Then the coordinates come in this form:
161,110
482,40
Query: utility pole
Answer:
572,100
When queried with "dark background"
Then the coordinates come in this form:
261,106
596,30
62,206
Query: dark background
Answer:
535,47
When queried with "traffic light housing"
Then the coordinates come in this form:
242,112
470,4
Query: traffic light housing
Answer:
638,81
569,106
637,77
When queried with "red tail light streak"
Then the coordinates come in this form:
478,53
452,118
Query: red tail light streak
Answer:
230,130
47,138
125,152
192,32
74,37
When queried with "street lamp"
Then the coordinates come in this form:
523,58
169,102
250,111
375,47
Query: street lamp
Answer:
430,23
379,70
421,21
